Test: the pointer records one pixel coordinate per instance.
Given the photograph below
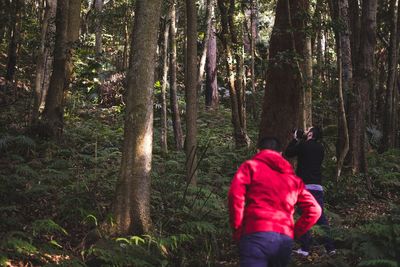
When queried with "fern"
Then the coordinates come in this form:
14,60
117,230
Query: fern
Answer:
47,226
378,263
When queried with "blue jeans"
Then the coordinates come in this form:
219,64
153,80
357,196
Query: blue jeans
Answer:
265,249
306,239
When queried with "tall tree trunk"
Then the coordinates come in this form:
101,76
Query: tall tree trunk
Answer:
176,117
67,33
281,109
44,57
98,6
98,27
54,110
210,26
306,120
345,81
191,91
15,36
132,202
391,85
212,95
253,36
164,124
235,81
126,42
4,8
364,80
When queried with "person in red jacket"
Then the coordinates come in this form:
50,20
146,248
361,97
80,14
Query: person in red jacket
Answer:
262,199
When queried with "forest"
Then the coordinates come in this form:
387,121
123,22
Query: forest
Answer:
123,122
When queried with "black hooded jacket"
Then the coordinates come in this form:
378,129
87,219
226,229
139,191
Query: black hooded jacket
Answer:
310,155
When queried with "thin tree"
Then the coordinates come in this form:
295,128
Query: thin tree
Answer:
211,91
390,107
15,35
176,117
191,91
210,26
132,201
345,80
164,57
234,52
44,58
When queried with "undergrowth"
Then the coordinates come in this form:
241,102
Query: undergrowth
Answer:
54,194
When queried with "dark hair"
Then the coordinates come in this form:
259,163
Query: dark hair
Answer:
317,132
270,143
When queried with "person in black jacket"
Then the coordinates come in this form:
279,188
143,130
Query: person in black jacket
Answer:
310,154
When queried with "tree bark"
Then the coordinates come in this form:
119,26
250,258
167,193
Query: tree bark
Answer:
15,36
67,33
164,124
212,95
98,27
132,202
281,108
4,11
44,58
191,91
210,27
345,82
364,80
235,73
176,117
54,110
391,85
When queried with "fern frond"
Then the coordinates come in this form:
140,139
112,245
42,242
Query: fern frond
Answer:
378,263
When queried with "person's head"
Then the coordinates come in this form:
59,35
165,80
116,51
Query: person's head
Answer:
314,132
270,143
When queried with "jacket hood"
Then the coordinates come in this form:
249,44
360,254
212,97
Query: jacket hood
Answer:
274,160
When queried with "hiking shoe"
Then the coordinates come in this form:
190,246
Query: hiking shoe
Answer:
301,252
332,252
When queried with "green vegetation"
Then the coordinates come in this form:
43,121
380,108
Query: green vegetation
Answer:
55,196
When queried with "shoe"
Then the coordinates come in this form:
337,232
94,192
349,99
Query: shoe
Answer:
332,252
301,252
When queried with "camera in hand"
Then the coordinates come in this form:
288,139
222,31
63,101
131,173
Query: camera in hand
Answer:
299,133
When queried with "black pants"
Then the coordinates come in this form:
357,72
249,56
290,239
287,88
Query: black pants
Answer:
306,239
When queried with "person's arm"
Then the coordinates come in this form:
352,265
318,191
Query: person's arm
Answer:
292,149
310,212
236,199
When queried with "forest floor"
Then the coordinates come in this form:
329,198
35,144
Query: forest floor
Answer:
53,193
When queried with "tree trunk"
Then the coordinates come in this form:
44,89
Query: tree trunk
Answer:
345,82
210,27
67,33
176,117
235,81
44,57
4,11
391,85
191,91
364,80
253,36
54,110
132,202
306,119
15,36
164,124
126,42
281,109
98,27
212,95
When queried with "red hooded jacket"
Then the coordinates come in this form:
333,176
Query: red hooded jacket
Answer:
263,195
